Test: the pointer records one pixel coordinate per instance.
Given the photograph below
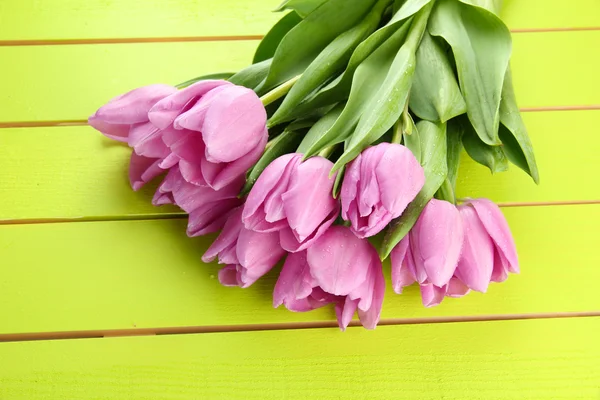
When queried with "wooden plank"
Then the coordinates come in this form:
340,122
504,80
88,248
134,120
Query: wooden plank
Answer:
72,19
145,274
550,69
82,78
85,166
564,169
537,359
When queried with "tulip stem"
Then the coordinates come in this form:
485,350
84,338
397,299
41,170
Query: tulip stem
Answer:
279,91
326,152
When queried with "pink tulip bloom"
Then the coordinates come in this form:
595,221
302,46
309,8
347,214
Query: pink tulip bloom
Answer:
378,186
404,274
220,131
125,119
208,209
293,198
436,241
429,254
248,255
205,136
489,252
338,268
118,117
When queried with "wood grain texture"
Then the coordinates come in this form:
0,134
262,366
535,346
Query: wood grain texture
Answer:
73,19
144,274
88,173
539,359
76,80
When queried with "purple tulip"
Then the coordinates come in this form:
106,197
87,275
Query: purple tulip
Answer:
429,254
404,274
378,186
118,117
489,252
248,255
436,241
208,209
338,268
220,131
293,198
205,136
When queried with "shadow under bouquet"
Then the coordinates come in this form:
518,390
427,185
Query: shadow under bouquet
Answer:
348,126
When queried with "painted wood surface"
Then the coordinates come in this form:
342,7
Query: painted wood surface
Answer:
73,19
540,359
130,266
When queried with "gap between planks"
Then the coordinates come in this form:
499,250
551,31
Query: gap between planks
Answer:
188,330
82,122
182,215
175,39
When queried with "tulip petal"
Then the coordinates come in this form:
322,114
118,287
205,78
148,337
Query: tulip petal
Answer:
146,141
308,200
164,112
193,119
432,295
142,170
235,123
477,259
258,253
227,239
400,177
294,286
436,241
210,217
220,175
456,288
500,272
133,107
228,276
402,275
290,242
349,190
268,187
494,222
344,312
339,260
370,317
118,132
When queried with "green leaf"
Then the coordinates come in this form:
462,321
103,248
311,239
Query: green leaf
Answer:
219,75
369,77
481,45
339,89
383,109
252,76
302,7
285,143
492,157
433,147
268,45
320,128
331,60
491,5
306,40
435,94
454,133
517,145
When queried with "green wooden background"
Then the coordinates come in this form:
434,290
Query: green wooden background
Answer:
86,260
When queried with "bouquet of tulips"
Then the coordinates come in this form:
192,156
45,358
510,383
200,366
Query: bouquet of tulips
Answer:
349,124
